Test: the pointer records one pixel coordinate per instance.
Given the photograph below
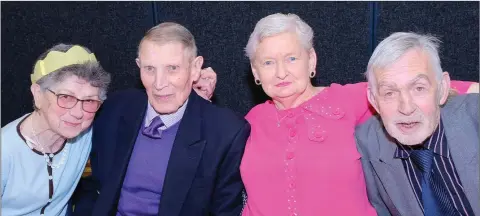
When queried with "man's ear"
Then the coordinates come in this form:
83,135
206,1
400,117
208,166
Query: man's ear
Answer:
444,87
371,98
138,62
196,68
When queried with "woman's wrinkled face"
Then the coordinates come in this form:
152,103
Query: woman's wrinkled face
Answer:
67,122
283,65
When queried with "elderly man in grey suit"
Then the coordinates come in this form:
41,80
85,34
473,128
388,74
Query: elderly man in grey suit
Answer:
421,158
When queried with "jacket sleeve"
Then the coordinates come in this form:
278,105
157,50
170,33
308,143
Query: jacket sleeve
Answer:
227,198
361,137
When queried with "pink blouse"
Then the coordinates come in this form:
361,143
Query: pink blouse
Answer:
303,161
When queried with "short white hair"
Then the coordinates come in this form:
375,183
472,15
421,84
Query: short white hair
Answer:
399,43
279,23
168,32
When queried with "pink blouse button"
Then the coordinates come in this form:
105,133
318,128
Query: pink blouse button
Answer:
292,185
290,155
293,133
290,115
290,124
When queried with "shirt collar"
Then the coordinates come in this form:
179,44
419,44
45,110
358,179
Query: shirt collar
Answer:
318,104
437,143
167,119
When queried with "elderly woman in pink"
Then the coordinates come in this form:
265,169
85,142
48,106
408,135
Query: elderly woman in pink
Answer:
301,157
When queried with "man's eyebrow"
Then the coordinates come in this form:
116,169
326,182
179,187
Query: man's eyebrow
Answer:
418,78
387,85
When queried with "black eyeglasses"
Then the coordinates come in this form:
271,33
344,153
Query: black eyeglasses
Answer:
68,101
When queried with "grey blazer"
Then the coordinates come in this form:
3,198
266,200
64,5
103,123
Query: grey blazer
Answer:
388,187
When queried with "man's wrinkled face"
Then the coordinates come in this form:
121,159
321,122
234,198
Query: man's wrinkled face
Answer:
167,72
408,96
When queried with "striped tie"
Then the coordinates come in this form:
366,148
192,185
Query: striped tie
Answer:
434,195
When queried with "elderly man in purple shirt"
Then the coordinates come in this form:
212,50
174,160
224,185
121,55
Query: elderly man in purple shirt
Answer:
165,150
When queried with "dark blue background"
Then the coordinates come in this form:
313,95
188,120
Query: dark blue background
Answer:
345,35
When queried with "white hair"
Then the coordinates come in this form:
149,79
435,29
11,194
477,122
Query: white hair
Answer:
399,43
279,23
171,32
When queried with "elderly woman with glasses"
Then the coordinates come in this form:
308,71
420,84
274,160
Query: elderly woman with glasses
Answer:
44,152
301,157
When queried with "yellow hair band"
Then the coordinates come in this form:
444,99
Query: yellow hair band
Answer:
56,60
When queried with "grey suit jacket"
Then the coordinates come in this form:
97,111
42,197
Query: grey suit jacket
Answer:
388,187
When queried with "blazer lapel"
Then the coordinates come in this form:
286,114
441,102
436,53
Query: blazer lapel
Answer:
464,152
393,177
130,122
184,159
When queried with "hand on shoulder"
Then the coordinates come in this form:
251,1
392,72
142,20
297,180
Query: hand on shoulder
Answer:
474,88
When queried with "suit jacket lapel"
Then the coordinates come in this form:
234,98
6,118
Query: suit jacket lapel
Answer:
393,176
464,152
184,159
131,120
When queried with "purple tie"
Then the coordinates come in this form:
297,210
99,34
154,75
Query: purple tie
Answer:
152,130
